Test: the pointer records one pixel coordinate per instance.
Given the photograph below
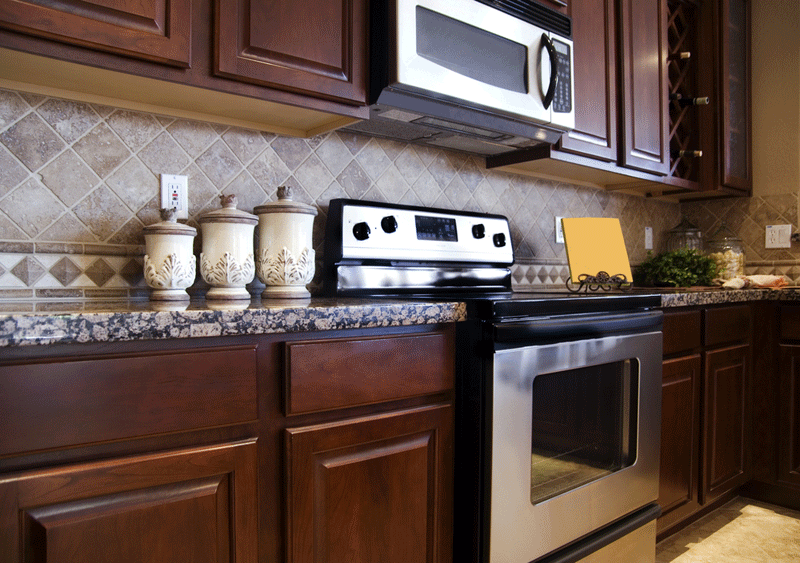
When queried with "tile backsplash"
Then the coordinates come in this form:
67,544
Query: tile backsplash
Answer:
79,181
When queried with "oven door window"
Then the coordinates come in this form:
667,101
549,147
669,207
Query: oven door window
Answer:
583,426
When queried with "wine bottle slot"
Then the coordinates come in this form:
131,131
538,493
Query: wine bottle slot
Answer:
687,154
682,55
702,101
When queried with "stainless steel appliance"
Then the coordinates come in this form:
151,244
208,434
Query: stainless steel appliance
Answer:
558,395
480,76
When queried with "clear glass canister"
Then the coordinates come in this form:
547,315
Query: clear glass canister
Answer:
727,250
684,235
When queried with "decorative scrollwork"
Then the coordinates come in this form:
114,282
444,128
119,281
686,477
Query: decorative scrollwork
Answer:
172,273
284,269
227,270
602,281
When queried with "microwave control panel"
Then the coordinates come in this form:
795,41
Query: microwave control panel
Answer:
562,101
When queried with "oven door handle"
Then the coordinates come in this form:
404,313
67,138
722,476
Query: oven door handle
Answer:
577,327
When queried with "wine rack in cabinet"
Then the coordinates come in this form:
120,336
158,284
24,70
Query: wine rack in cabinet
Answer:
685,102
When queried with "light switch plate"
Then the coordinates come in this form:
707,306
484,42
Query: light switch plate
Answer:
648,238
778,236
559,230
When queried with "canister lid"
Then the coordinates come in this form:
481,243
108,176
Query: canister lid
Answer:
169,225
285,204
228,213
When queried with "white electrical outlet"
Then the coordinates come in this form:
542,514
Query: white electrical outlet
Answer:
175,193
648,238
778,236
559,230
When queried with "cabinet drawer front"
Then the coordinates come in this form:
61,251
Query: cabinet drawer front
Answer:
330,374
727,324
56,404
682,332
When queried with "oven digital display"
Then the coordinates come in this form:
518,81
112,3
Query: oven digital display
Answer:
436,228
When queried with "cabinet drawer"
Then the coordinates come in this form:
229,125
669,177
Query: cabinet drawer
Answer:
790,322
727,324
682,332
63,403
330,374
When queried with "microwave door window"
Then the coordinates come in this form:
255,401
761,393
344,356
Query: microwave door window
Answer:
472,52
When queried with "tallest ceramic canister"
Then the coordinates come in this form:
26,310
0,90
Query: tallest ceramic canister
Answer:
286,255
226,262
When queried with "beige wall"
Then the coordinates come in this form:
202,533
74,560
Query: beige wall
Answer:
776,97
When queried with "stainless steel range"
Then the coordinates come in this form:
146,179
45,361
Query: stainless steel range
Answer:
558,395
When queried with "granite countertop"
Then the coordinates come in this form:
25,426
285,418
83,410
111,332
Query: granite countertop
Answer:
36,323
40,322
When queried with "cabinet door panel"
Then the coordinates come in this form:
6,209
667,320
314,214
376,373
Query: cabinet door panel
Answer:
316,47
644,84
680,434
595,75
725,428
789,417
155,30
372,490
187,505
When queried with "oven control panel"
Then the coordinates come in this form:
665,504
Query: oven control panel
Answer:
404,233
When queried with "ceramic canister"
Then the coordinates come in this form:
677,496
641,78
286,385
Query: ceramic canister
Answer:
226,261
286,255
169,263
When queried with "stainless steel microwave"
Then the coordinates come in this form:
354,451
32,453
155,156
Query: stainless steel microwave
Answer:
482,76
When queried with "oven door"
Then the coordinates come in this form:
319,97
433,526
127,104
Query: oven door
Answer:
575,435
471,52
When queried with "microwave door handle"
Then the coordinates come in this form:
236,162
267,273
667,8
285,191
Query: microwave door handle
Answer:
551,89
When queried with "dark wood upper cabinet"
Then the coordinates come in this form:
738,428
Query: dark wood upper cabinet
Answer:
643,81
595,76
154,30
310,46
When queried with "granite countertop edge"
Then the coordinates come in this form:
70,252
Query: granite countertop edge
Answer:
127,321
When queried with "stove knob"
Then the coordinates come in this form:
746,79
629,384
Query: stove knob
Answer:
499,240
361,231
478,231
389,224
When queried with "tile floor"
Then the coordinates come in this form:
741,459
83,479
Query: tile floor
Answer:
742,531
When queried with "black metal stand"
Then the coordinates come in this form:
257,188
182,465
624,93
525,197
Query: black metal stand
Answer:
601,281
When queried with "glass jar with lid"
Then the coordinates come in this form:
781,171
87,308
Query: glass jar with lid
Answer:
727,250
684,235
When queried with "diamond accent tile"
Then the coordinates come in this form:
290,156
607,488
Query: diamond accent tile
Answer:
132,272
65,271
29,270
100,272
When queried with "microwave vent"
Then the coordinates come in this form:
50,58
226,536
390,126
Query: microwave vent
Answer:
533,12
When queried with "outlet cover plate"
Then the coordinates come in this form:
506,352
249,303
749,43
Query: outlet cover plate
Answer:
175,193
559,231
778,236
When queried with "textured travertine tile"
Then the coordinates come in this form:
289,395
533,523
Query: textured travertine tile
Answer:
244,143
69,119
313,176
219,164
12,107
334,154
68,227
291,150
11,172
134,128
410,165
353,180
102,212
269,170
392,184
456,191
102,150
247,191
68,177
134,184
425,188
32,218
32,141
373,160
164,156
195,137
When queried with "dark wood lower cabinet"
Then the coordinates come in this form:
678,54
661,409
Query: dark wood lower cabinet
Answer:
248,449
789,416
372,490
725,428
196,504
678,493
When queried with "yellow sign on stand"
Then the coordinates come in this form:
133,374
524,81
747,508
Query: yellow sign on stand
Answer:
594,245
